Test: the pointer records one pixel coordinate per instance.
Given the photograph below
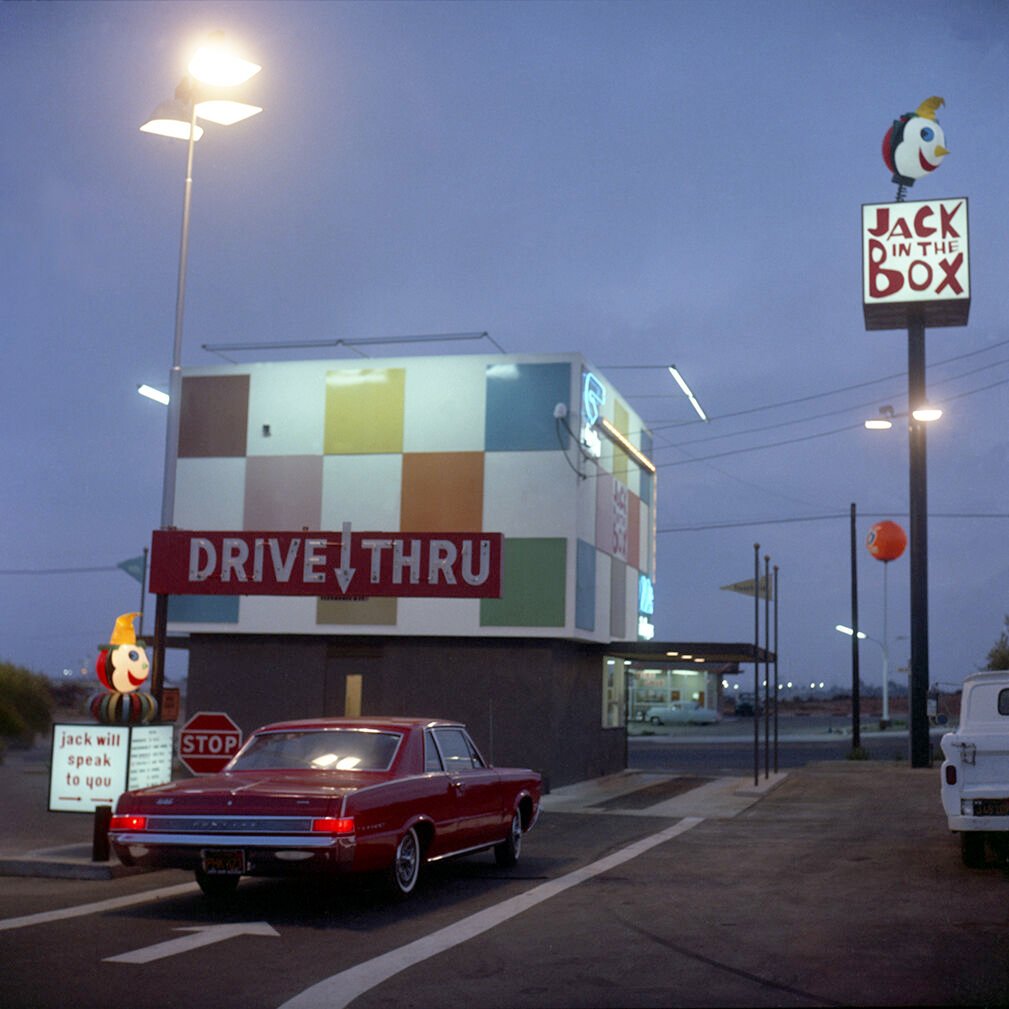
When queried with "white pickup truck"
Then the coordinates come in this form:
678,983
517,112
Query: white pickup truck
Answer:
975,773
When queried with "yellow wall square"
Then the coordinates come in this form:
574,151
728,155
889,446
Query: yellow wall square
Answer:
621,421
364,411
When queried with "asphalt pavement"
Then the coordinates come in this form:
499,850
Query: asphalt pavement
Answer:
837,883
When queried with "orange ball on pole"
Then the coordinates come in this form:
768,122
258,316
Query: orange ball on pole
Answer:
886,541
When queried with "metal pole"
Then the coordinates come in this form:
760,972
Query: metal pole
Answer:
174,413
918,536
756,662
767,666
143,591
856,702
175,376
775,668
886,654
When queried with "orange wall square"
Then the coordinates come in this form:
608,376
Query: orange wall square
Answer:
442,492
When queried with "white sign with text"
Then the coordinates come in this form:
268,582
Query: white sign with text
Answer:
93,764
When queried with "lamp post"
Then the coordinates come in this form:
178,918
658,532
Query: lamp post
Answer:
202,94
922,413
886,664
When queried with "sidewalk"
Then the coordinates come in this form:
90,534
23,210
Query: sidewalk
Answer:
35,842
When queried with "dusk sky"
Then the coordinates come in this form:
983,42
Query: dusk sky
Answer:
641,183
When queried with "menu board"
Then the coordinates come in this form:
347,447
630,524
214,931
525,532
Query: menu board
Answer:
150,756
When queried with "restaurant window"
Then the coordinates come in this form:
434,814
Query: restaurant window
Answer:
613,692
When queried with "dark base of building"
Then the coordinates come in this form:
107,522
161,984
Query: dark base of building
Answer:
528,703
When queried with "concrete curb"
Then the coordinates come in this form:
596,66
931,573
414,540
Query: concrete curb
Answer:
72,861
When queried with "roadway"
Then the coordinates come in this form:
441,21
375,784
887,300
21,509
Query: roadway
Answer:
728,746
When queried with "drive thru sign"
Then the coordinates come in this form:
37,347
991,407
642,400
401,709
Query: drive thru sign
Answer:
208,741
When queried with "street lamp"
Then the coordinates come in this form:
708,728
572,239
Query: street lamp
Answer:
886,666
202,94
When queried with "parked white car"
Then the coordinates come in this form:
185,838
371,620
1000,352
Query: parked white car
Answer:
975,774
681,712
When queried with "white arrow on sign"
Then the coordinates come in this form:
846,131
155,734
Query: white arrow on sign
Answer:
203,935
344,573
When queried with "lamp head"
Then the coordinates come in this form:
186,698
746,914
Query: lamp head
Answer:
171,119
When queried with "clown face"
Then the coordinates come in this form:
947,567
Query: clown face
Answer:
127,667
921,150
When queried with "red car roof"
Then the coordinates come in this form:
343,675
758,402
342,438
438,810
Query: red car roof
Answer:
378,722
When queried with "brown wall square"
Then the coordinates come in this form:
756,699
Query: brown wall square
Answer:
214,416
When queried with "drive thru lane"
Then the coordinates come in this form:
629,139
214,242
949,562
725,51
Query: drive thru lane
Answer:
840,886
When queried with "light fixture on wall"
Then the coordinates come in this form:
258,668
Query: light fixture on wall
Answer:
678,378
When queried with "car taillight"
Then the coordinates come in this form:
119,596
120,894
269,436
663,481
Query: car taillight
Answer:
950,774
128,823
333,825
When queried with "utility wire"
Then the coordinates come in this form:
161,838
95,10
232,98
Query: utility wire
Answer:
821,518
56,571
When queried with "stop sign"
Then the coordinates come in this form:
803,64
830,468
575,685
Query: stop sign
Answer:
208,741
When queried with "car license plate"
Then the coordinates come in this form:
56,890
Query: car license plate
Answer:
991,807
223,861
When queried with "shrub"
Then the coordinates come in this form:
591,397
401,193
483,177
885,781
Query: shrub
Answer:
25,701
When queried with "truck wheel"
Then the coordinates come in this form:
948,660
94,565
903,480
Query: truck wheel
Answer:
972,849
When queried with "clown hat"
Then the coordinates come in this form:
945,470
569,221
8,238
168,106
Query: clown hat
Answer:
123,633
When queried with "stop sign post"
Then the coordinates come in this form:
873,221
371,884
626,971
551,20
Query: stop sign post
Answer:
208,741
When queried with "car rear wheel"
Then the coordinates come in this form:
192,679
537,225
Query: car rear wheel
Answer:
655,720
972,849
405,869
507,852
217,887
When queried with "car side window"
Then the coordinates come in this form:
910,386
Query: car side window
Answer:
432,759
1003,702
457,751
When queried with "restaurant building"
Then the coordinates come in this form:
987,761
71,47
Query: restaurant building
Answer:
540,449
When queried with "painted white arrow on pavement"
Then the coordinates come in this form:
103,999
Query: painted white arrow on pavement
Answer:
203,935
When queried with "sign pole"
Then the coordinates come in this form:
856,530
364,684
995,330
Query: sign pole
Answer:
775,668
158,655
918,538
756,663
856,699
767,668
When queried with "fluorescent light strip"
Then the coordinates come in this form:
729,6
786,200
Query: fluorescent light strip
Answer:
617,438
151,393
686,392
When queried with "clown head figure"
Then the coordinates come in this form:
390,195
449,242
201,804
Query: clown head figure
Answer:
915,144
122,665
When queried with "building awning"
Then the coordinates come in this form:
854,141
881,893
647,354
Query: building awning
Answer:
667,653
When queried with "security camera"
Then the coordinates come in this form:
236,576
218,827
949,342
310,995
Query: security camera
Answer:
560,411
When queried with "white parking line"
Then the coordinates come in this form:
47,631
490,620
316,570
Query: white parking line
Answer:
97,907
341,989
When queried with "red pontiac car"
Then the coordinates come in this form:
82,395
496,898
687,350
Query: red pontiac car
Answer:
332,795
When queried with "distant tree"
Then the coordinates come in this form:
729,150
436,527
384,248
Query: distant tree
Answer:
25,701
998,655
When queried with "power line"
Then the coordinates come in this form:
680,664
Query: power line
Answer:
821,518
55,571
811,396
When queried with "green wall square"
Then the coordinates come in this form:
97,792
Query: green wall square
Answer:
532,593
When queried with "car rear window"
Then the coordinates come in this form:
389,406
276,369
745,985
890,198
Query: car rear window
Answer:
321,749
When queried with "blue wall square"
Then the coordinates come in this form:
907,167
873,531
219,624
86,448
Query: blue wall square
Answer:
203,609
520,406
585,587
